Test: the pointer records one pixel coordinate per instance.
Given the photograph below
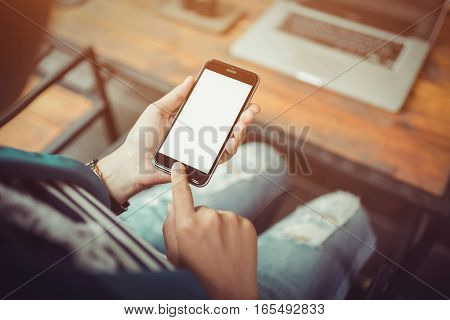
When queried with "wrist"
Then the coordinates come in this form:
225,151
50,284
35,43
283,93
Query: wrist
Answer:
116,177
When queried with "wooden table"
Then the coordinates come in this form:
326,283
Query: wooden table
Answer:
411,148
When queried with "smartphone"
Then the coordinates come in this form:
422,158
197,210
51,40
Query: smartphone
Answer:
205,121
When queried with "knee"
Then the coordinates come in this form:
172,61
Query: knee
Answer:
335,218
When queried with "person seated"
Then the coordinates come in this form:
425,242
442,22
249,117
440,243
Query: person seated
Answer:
59,238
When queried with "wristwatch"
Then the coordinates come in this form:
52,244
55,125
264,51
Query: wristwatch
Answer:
116,207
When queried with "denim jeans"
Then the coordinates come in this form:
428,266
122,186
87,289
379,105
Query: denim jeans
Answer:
287,268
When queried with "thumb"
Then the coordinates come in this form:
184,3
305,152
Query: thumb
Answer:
171,101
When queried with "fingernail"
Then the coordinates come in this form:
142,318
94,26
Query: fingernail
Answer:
237,128
188,78
178,166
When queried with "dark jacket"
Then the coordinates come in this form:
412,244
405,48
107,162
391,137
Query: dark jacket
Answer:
29,265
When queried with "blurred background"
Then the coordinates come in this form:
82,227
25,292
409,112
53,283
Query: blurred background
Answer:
370,79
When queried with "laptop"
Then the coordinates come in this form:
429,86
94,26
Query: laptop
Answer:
358,48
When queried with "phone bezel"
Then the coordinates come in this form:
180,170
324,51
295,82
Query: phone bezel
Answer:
196,177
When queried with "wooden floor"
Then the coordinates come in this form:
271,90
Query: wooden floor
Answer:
45,119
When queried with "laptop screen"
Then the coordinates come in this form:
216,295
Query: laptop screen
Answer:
391,15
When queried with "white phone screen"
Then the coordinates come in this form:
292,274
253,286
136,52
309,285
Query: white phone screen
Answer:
205,121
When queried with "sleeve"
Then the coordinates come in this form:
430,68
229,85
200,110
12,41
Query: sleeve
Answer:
15,163
64,281
165,285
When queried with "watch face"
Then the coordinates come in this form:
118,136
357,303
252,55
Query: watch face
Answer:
116,207
94,167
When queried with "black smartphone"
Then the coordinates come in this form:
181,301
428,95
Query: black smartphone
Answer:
205,121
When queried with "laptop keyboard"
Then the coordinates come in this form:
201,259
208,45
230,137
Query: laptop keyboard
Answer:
344,39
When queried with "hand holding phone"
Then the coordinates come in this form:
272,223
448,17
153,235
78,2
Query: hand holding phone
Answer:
205,121
128,170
